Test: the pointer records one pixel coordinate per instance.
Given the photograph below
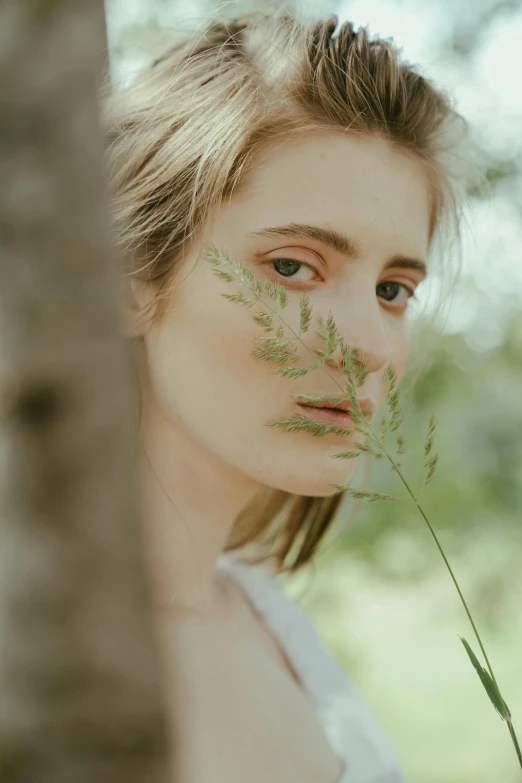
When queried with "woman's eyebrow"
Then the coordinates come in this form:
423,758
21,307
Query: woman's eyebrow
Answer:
339,242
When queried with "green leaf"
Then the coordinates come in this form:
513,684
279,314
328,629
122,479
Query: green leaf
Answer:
301,422
268,289
392,400
291,372
257,288
361,374
280,294
347,359
278,354
430,465
320,353
275,349
358,494
247,273
306,313
389,376
366,447
488,684
396,421
342,432
240,299
225,276
263,319
429,436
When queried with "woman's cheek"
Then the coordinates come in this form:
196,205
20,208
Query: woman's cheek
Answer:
400,352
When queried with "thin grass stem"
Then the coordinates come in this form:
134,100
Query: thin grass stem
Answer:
380,444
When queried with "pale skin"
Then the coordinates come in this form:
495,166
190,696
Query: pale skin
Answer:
207,450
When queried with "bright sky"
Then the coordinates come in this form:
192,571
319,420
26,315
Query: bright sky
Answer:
487,89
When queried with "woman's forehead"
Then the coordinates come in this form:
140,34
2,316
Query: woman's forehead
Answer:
352,184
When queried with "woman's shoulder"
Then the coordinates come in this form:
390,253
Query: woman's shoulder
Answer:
348,722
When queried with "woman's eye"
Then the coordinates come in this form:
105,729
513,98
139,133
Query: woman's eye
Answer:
391,291
398,293
288,267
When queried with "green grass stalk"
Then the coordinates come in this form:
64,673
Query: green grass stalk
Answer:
282,351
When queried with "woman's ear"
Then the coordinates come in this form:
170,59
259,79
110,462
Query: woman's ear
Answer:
137,307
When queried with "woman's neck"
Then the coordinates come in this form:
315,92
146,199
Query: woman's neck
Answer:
190,501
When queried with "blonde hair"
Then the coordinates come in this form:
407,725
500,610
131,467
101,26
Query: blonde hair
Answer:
182,137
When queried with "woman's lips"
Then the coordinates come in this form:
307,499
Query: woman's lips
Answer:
328,414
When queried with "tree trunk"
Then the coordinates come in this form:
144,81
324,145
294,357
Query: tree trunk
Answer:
80,689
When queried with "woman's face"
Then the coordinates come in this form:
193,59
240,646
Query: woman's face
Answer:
370,199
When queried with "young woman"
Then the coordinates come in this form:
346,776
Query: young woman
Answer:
314,155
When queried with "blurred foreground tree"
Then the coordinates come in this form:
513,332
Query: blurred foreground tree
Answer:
79,666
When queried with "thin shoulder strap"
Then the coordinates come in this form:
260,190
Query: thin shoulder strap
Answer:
349,725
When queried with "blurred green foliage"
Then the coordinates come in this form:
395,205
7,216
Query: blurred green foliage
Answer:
476,398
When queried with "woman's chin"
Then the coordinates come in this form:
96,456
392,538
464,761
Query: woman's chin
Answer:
315,485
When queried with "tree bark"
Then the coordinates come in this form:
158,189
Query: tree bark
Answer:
80,686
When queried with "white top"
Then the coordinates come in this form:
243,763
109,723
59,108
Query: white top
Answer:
352,730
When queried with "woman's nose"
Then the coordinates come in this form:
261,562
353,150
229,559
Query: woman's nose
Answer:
367,334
